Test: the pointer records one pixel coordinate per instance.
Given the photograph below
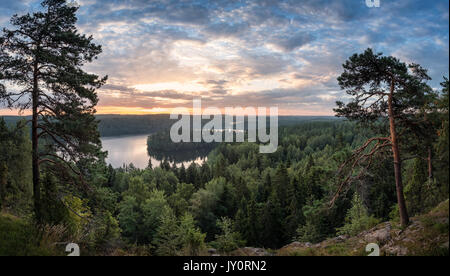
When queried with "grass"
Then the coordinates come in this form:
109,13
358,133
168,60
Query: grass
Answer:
429,240
20,238
425,236
337,249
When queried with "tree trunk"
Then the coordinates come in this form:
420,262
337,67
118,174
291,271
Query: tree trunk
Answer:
430,166
35,150
397,162
3,183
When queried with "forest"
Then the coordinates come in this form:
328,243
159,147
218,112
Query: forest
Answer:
111,125
384,158
237,198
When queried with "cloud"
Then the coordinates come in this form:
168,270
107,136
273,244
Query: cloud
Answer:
224,29
289,43
246,52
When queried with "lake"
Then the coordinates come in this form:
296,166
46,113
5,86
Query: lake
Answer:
133,149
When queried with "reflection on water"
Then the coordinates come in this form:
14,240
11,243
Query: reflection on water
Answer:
133,149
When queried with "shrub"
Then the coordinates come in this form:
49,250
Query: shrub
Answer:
357,218
228,240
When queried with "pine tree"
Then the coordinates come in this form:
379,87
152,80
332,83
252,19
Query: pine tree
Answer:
192,239
166,239
416,187
3,182
253,227
149,164
205,172
152,209
241,219
267,187
15,154
227,240
192,175
386,94
165,165
43,57
442,145
182,174
271,219
357,218
220,166
281,183
293,210
130,218
111,176
314,228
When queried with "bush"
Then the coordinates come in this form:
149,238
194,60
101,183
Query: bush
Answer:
228,240
357,219
20,238
192,239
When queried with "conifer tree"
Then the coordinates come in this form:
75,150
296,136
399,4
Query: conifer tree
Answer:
42,55
357,218
227,240
166,240
386,94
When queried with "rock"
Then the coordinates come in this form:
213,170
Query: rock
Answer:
415,239
407,240
341,238
212,251
251,251
381,236
294,245
320,245
395,250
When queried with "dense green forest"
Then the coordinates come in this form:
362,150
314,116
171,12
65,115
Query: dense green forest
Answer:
385,158
238,197
160,145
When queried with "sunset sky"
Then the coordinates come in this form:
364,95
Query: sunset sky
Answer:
161,54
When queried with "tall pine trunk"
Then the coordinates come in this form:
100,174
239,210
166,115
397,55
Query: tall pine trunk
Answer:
35,150
430,165
397,162
3,183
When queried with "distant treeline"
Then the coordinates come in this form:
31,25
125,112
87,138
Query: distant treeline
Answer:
117,125
160,146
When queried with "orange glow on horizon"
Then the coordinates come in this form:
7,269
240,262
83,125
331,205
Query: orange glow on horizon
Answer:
131,110
156,110
120,110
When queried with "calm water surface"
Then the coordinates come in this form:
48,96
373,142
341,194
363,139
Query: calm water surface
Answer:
133,149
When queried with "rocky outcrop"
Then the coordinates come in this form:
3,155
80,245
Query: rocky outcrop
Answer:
252,251
379,235
427,234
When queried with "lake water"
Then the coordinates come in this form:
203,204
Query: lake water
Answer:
133,149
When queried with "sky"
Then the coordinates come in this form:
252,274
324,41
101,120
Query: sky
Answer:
162,54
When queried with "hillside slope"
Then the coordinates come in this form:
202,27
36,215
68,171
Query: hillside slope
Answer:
20,238
426,235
